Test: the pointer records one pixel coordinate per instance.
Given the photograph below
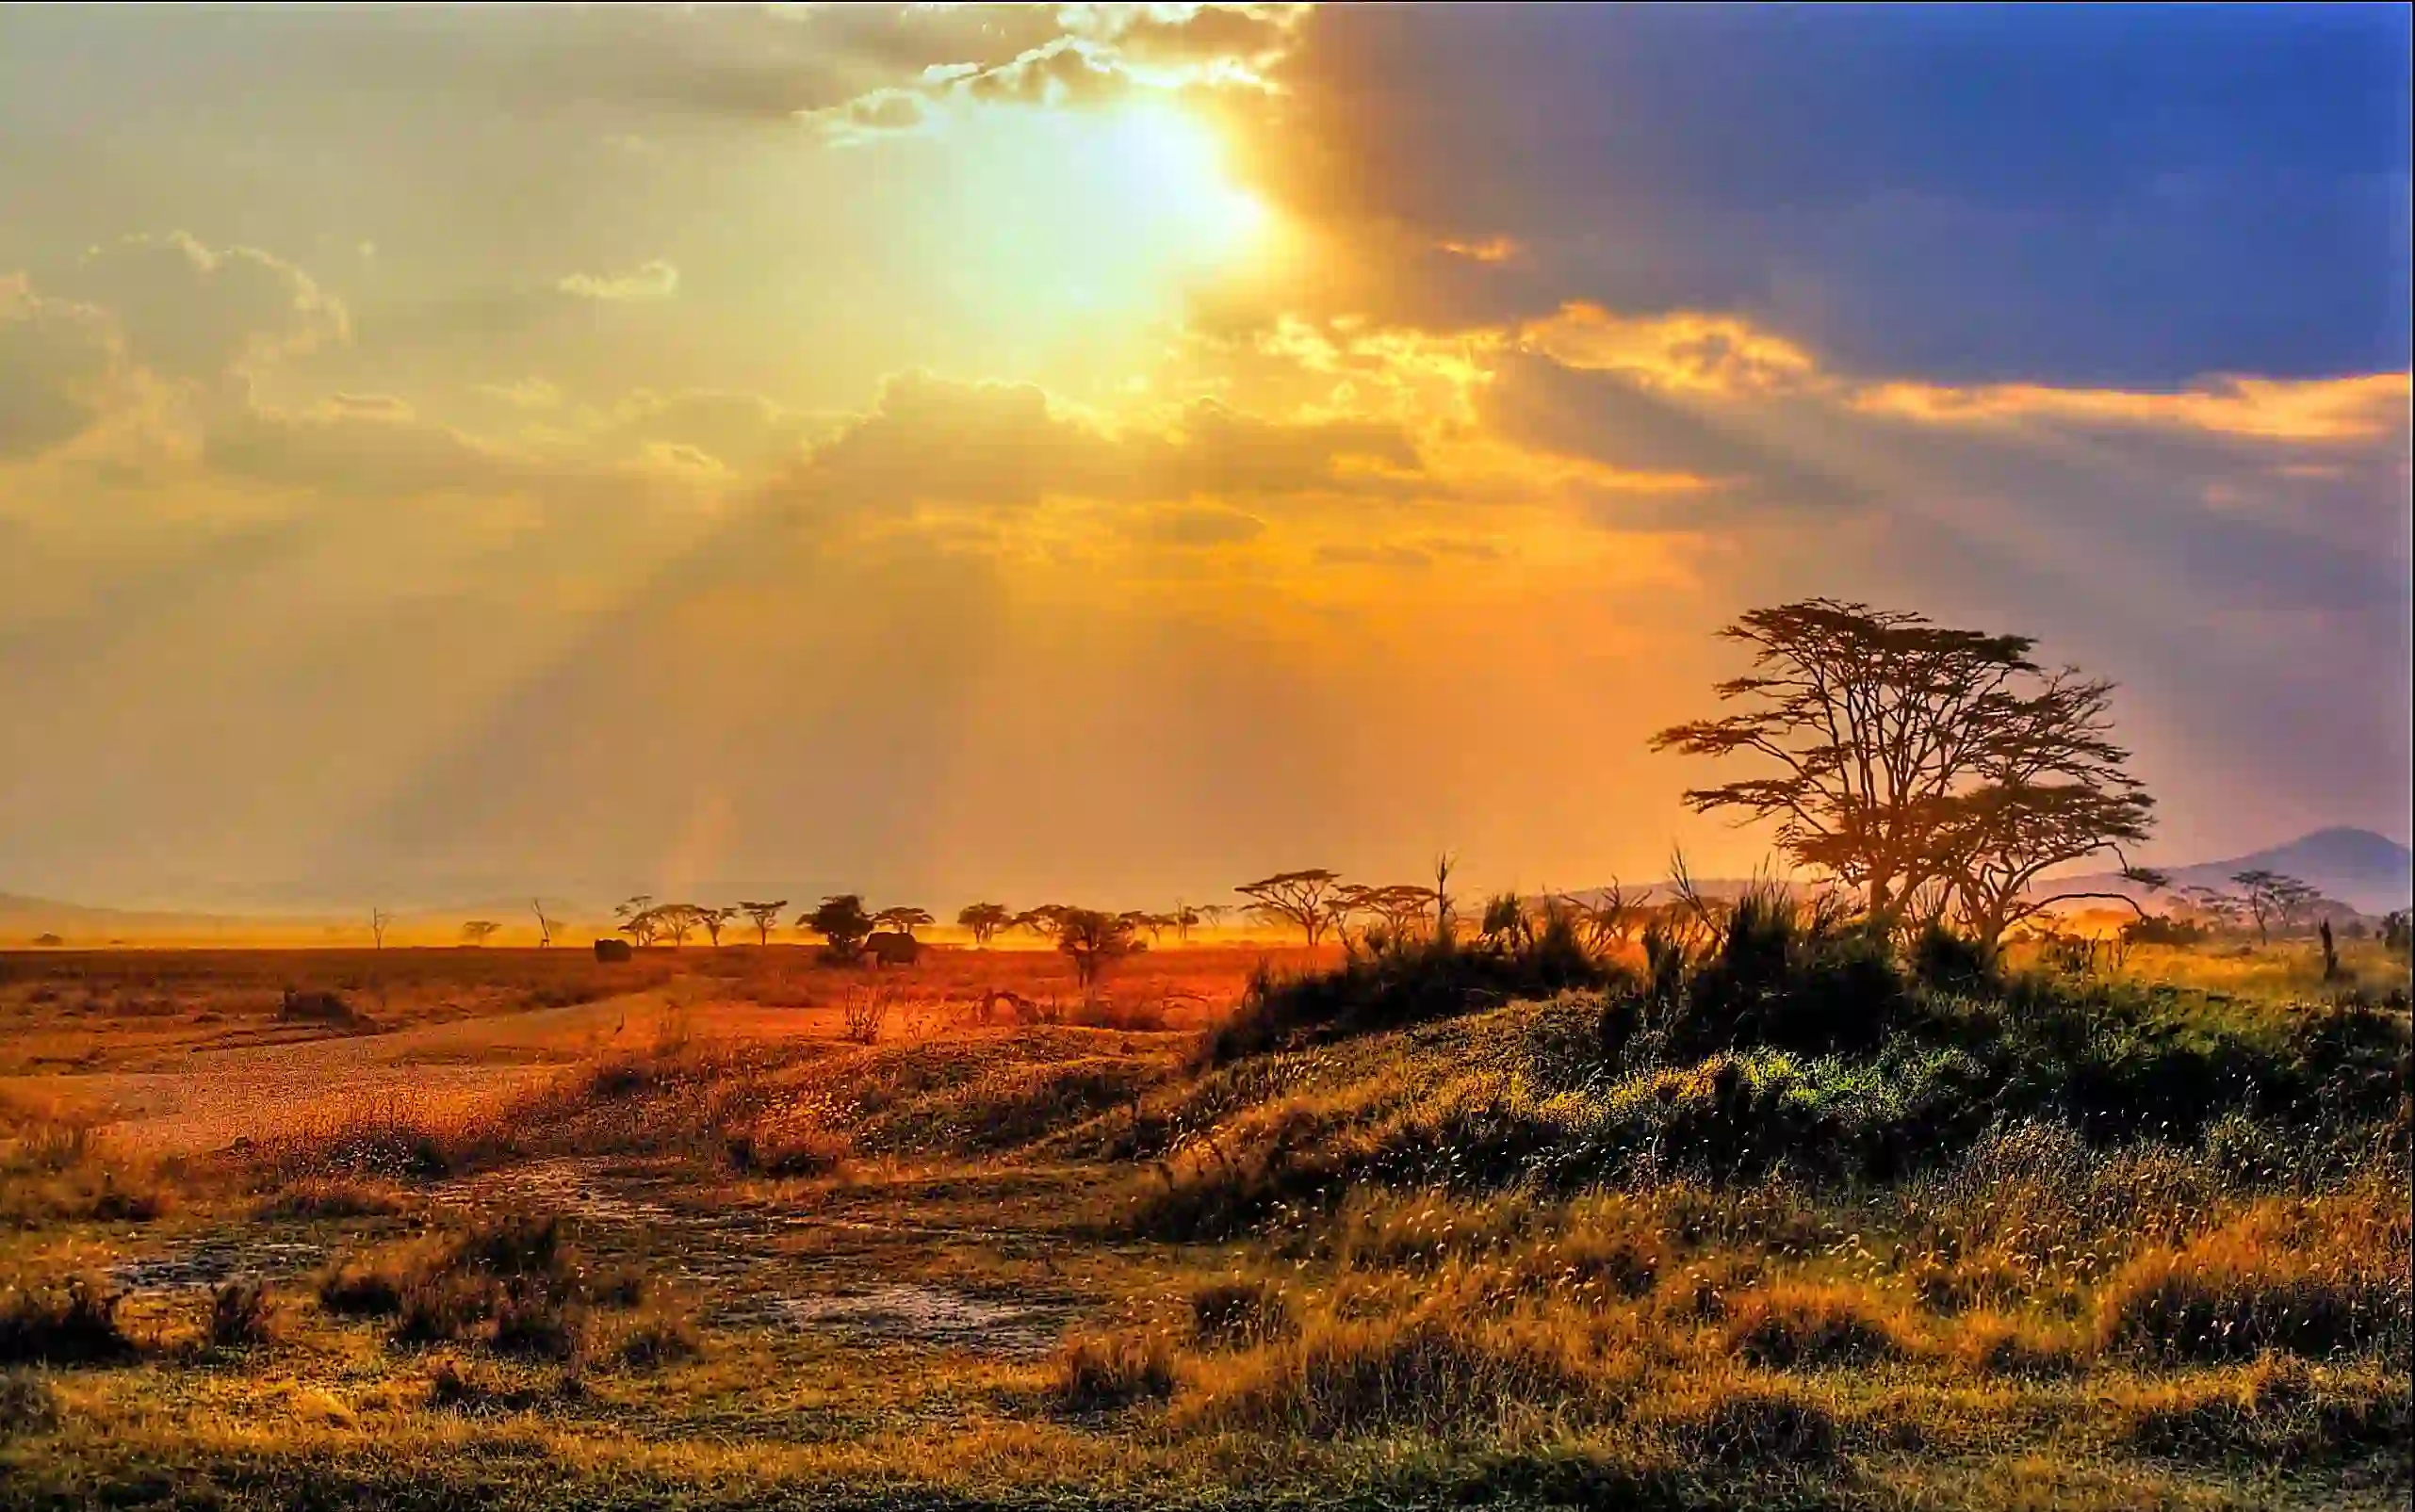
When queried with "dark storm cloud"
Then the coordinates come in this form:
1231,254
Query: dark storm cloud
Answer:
2120,196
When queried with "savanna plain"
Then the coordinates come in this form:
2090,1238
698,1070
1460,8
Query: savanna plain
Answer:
1719,1205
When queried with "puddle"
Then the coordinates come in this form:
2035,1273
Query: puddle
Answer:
926,1315
209,1263
578,1188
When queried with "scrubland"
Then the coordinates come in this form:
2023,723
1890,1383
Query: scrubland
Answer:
1764,1211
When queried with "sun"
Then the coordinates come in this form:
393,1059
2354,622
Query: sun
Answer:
1169,170
1114,211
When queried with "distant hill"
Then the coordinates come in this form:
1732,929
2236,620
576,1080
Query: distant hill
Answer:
2371,873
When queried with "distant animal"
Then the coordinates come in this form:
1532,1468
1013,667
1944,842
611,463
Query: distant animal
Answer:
890,947
611,950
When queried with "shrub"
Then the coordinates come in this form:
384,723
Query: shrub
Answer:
787,1148
1993,1344
1796,1326
361,1289
241,1314
1759,1424
438,1307
1404,982
538,1326
659,1339
1239,1313
1093,1372
1351,1375
72,1324
27,1404
313,1198
2313,1279
2275,1413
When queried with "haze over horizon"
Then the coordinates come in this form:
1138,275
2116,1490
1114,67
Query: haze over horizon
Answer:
1113,452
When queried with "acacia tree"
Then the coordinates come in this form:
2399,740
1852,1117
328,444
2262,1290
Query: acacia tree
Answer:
1304,899
903,920
676,922
763,916
1916,762
477,931
1094,939
842,924
984,920
545,925
636,913
714,920
2272,896
1047,921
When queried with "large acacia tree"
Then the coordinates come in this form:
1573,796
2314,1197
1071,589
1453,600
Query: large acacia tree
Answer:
1302,898
1927,766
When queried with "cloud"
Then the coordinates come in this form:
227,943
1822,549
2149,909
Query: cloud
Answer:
1662,444
1972,196
377,452
56,358
936,440
1200,526
188,312
654,279
2361,407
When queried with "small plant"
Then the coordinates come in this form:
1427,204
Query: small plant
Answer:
360,1288
241,1314
1094,1371
70,1325
27,1404
1239,1314
659,1339
867,1013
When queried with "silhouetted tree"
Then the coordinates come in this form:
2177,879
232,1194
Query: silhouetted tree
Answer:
903,920
842,924
545,925
1044,921
1303,898
764,916
379,920
714,920
984,920
477,931
1915,761
636,915
1094,940
2268,895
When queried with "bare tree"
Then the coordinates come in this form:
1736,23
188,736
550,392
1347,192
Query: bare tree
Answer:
764,916
984,920
545,925
1443,864
477,929
1303,898
379,920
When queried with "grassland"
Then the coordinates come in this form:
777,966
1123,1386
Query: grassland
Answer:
1771,1217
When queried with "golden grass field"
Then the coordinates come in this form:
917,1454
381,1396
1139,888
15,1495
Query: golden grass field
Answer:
510,1227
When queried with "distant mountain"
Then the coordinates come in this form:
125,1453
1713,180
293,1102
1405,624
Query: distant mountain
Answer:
2371,873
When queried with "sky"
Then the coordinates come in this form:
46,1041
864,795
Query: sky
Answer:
1108,453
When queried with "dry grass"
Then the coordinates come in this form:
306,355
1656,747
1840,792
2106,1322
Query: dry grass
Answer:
1412,1288
2316,1279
